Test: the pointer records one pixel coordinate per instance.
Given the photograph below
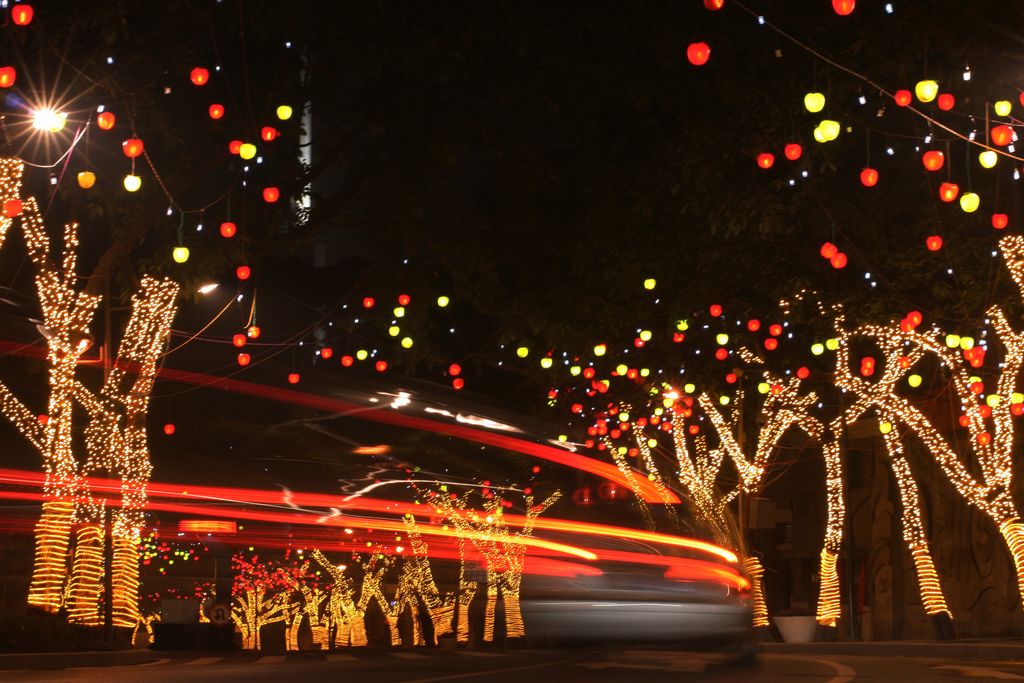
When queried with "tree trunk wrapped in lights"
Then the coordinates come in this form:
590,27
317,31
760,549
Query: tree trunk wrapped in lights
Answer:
987,418
346,614
502,550
416,583
87,576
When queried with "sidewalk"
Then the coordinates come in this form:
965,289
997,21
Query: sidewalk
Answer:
64,660
973,648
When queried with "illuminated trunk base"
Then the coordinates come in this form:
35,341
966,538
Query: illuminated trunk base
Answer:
928,582
1013,533
752,566
87,577
126,582
828,599
52,534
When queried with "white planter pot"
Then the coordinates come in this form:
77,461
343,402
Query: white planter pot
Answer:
796,629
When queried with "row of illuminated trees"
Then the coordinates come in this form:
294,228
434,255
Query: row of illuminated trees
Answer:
717,460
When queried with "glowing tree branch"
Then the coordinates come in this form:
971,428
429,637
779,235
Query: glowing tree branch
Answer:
419,584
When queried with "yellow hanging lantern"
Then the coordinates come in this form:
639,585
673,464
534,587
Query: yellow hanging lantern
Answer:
545,362
522,352
406,342
926,90
969,202
86,179
988,158
180,254
247,150
132,183
814,102
914,381
650,283
1003,107
284,112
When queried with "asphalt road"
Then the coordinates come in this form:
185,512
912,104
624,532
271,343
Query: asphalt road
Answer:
500,666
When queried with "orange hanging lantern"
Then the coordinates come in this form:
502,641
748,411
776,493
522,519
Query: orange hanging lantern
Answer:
1002,135
254,332
243,272
199,76
268,133
933,160
326,352
946,101
1000,220
838,260
22,15
239,340
293,378
12,208
216,111
828,250
7,76
765,160
903,98
869,177
698,53
106,120
244,359
228,229
271,194
132,147
793,151
948,191
934,243
844,7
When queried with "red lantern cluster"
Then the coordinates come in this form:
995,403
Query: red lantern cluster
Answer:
867,366
836,258
975,356
12,208
698,53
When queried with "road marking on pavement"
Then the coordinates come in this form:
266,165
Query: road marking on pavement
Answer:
202,661
490,672
843,672
156,662
980,672
690,666
272,659
341,658
478,653
408,655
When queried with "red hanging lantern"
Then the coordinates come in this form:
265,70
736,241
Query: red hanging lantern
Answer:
132,147
775,330
869,177
12,208
793,151
106,120
948,191
713,5
454,369
199,76
216,111
22,15
828,250
271,194
381,365
754,325
721,353
368,302
347,361
326,352
404,299
1002,135
915,318
228,229
803,372
234,146
903,98
253,332
243,272
698,53
293,378
244,359
239,340
7,76
268,133
844,7
765,160
946,101
458,383
1000,220
933,160
934,243
838,260
168,429
715,310
771,343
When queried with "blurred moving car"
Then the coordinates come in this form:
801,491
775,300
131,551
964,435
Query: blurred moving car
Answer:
639,592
